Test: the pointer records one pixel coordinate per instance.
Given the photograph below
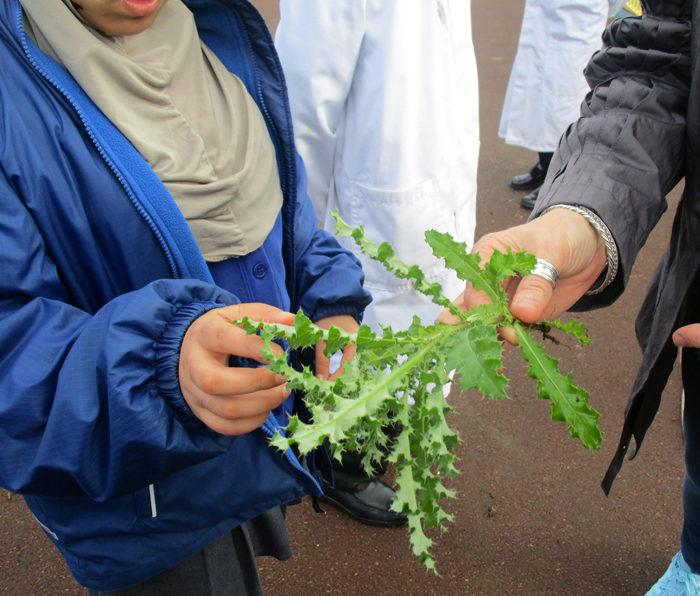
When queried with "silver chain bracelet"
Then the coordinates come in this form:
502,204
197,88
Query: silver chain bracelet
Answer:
611,253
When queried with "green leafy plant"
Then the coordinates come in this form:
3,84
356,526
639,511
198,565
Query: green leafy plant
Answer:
398,377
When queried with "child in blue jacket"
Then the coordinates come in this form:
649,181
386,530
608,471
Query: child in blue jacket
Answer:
150,192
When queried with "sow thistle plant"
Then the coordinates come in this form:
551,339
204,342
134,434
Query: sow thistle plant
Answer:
398,377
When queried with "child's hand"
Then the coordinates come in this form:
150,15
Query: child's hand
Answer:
230,401
346,323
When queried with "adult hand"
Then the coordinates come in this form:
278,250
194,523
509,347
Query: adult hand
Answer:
562,237
688,336
230,401
346,323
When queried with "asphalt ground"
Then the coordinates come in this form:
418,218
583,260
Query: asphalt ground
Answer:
530,517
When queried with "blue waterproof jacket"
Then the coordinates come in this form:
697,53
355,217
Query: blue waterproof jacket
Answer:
101,278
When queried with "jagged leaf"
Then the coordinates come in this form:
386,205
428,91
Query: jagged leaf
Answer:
385,254
569,402
477,354
467,266
503,265
572,327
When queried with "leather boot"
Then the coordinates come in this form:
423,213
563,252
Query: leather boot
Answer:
362,496
369,503
534,178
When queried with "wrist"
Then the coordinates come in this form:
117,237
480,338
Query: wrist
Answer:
605,243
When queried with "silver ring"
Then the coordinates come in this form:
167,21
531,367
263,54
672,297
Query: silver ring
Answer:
547,271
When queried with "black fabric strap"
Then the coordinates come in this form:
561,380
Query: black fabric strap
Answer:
641,411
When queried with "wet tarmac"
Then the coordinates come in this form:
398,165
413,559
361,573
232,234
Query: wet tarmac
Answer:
530,518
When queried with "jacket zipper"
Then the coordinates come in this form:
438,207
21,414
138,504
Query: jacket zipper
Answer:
277,141
263,107
267,427
102,152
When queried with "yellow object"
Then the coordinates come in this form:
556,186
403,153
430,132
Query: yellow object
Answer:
633,7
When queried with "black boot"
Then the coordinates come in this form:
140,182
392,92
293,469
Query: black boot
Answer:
369,503
363,497
534,178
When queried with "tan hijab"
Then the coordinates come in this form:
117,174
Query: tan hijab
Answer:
191,120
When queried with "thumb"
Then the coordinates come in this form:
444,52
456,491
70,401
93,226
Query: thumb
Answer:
688,336
531,298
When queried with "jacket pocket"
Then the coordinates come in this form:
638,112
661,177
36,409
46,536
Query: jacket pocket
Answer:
400,217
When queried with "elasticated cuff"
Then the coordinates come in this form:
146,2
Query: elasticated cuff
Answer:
339,308
168,357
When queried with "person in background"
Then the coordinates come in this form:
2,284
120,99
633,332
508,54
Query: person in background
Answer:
546,86
636,139
151,194
384,100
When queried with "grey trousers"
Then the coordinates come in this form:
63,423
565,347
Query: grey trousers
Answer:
226,567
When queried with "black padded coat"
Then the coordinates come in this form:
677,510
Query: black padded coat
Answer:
638,136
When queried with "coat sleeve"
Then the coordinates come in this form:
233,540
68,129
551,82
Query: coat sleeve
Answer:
627,150
318,43
89,401
329,279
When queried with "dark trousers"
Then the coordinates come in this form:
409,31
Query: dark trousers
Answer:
690,538
545,159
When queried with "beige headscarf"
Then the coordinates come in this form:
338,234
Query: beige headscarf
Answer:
190,119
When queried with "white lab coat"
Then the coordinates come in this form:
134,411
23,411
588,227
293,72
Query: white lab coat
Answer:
547,86
384,100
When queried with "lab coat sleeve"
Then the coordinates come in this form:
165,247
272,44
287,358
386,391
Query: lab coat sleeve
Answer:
318,43
627,151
